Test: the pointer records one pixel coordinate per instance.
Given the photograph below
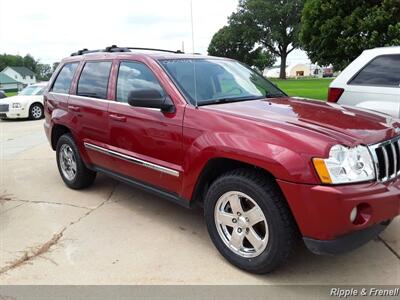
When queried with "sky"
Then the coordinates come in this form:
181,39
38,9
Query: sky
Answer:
50,30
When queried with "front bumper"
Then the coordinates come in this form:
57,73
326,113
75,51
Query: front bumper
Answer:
323,212
346,242
15,113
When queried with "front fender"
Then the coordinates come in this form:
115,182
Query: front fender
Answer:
282,163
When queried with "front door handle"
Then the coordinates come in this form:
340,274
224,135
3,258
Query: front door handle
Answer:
74,108
118,118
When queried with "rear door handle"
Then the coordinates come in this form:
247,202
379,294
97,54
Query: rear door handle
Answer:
74,108
118,118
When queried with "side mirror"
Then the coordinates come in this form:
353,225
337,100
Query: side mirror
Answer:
151,98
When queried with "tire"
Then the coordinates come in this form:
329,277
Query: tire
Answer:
276,230
36,111
73,171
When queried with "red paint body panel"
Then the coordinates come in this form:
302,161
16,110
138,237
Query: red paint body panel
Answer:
279,135
323,212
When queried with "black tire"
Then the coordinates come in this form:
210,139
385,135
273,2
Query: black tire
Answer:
281,226
36,111
83,177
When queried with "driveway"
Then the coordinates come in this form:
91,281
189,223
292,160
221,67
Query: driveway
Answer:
112,233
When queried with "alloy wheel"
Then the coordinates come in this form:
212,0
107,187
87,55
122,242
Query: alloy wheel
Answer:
241,224
67,162
36,112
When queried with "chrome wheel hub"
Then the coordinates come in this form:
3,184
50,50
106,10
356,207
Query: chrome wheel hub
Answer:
36,112
67,162
241,224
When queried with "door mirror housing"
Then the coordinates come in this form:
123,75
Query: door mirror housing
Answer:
151,98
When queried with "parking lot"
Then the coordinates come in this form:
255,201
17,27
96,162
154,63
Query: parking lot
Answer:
112,233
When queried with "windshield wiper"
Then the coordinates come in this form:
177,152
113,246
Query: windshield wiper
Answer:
268,95
228,100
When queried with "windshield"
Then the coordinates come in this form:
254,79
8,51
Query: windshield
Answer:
32,90
218,81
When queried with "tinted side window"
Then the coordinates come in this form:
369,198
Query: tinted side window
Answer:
135,76
64,79
382,71
94,79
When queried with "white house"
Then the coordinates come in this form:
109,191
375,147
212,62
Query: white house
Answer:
272,72
9,84
295,71
21,74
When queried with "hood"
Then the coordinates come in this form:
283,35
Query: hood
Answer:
344,124
20,99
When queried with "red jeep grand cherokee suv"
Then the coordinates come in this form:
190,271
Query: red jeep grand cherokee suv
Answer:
209,131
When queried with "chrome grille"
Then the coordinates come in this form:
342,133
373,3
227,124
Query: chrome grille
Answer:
386,157
3,107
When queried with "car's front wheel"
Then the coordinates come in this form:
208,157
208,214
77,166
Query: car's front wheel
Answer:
36,111
73,171
248,221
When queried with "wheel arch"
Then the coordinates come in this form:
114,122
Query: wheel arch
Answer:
214,168
36,102
57,131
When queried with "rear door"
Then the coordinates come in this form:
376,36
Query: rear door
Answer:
88,105
376,86
146,143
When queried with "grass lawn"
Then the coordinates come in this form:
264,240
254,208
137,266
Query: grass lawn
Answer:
11,94
308,88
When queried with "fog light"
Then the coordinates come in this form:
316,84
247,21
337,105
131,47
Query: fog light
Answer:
353,214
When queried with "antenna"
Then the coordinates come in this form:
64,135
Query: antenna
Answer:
193,61
191,21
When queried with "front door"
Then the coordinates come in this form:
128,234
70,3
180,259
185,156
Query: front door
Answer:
147,143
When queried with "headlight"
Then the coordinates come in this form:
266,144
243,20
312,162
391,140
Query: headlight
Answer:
16,105
345,165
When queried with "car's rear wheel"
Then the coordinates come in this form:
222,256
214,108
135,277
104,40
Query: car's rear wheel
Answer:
70,165
248,221
36,111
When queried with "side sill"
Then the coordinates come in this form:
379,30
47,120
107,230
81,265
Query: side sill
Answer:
144,186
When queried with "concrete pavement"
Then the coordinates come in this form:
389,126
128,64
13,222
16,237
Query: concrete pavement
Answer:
112,233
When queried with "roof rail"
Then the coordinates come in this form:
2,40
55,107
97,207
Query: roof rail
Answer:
84,51
115,48
155,49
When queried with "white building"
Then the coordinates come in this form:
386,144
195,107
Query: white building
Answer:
272,72
9,84
20,74
295,71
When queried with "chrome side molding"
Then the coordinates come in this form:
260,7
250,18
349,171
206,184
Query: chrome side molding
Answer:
132,159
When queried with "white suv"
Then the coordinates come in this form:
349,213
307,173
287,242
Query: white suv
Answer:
372,81
27,104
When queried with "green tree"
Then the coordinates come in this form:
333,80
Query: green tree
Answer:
43,71
55,65
18,61
30,62
274,24
231,41
337,31
10,60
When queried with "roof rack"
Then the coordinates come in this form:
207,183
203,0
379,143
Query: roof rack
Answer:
155,49
115,48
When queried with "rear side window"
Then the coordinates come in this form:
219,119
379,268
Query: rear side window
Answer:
382,71
64,79
93,81
134,76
